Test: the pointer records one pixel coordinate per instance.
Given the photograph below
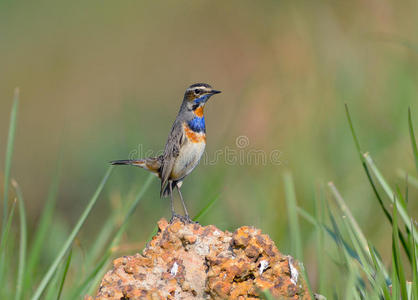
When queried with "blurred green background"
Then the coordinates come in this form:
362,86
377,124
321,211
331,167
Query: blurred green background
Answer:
101,79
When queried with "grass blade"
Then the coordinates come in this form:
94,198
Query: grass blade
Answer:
396,254
395,281
403,240
401,209
354,232
3,243
350,289
412,136
293,216
9,154
52,288
320,239
98,271
344,251
101,271
357,233
42,229
346,211
414,262
205,209
71,238
364,259
306,279
411,179
338,238
130,212
381,280
23,240
4,238
138,198
366,169
388,190
64,275
366,159
109,226
353,133
100,242
307,216
90,280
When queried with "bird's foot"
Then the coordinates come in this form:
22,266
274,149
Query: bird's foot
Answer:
189,220
184,219
176,217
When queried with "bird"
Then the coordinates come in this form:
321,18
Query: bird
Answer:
184,147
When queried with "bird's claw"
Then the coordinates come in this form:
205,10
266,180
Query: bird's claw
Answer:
176,216
184,219
189,220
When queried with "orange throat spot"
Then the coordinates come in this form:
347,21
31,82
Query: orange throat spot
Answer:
199,111
194,137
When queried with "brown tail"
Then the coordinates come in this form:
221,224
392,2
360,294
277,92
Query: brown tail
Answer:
138,163
151,164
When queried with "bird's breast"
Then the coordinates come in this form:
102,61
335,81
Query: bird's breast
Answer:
194,136
190,153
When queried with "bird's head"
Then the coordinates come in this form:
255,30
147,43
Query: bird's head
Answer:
198,94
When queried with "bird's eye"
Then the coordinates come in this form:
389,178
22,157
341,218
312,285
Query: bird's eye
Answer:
197,91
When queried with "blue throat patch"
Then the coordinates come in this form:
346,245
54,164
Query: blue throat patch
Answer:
197,124
201,99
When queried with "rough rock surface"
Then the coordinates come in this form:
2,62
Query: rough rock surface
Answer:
188,261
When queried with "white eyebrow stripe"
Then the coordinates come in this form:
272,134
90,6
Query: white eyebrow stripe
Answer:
202,87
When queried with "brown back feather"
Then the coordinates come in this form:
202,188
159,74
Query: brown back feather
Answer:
171,151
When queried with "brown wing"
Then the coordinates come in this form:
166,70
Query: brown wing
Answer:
171,151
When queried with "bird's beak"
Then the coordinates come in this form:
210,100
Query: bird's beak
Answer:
213,92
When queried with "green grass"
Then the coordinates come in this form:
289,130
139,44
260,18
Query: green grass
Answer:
22,241
412,137
294,227
51,284
52,269
9,153
41,231
365,275
341,243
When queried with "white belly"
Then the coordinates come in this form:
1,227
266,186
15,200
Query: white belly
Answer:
187,160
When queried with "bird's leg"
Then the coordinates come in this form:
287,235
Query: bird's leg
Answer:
173,213
184,206
182,202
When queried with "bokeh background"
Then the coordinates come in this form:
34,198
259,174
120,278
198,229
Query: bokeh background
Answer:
101,79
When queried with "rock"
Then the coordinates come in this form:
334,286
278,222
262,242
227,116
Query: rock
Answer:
189,261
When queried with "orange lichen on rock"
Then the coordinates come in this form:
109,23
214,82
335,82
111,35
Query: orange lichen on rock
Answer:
189,261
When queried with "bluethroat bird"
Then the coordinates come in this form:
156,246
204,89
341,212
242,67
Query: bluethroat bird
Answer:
184,147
